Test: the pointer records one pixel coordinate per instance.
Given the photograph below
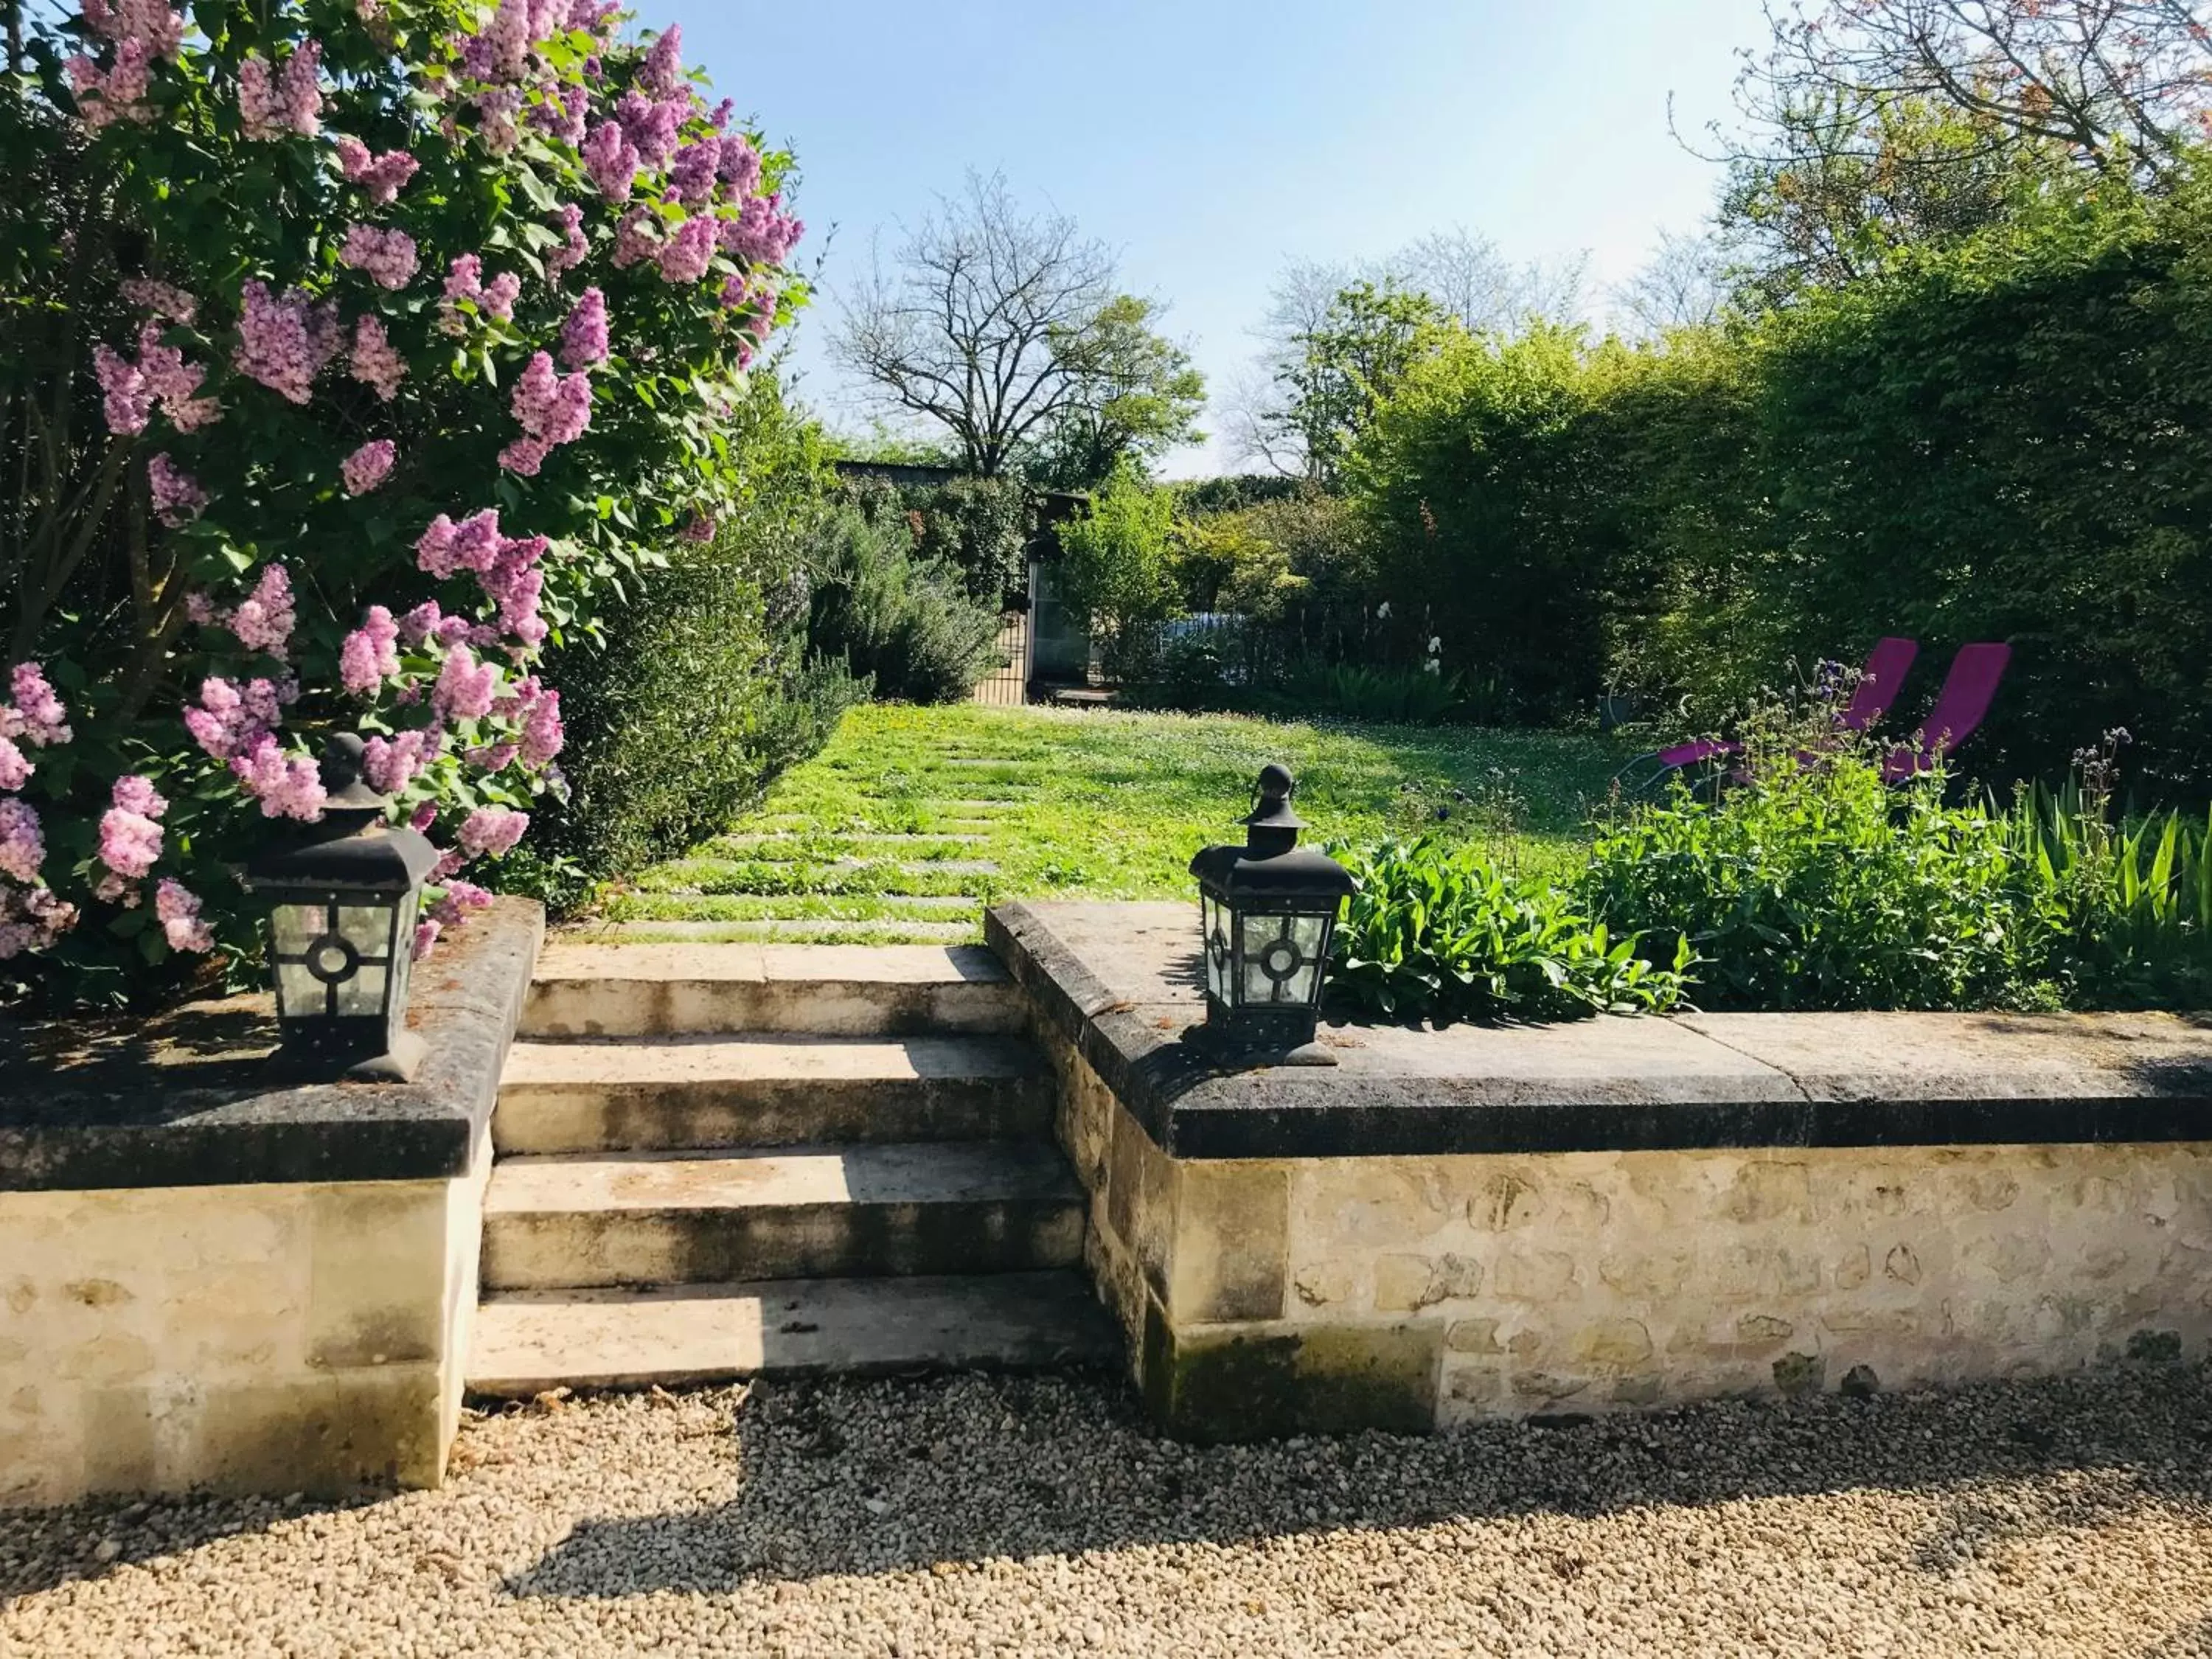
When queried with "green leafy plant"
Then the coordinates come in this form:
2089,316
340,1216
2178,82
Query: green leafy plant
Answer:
904,622
1441,933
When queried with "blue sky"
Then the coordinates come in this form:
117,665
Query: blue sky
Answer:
1211,141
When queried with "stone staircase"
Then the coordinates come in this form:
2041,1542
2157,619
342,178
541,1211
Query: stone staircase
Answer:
731,1160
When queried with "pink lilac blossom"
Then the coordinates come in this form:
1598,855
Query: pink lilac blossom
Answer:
461,899
130,836
497,109
762,234
388,256
155,23
289,101
287,786
36,715
390,765
553,408
284,342
699,527
499,294
178,497
663,70
375,363
652,126
170,381
740,167
15,768
420,623
693,174
382,177
447,548
565,117
494,756
573,248
164,300
611,159
125,399
492,832
177,908
23,843
583,335
465,689
464,281
33,920
542,733
264,619
426,939
516,585
636,237
370,654
425,816
119,94
369,467
687,254
230,719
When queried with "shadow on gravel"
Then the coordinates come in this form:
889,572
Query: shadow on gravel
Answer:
867,1478
44,1549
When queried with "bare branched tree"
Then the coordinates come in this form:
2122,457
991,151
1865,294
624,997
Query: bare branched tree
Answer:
2113,80
1463,272
969,326
1684,285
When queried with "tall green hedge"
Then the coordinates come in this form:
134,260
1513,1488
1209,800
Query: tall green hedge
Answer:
2010,439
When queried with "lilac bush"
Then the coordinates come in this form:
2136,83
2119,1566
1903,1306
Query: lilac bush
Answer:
374,341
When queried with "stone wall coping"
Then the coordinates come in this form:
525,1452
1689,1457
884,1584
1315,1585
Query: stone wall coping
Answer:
1121,982
191,1098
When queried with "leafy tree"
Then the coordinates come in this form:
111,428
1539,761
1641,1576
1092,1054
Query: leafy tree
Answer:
1137,397
1117,566
1004,330
1350,360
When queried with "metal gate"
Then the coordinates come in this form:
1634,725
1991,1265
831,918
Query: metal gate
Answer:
1008,685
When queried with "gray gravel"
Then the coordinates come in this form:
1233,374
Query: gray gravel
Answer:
1011,1515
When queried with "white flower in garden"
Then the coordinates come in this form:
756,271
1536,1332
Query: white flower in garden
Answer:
1436,645
1382,611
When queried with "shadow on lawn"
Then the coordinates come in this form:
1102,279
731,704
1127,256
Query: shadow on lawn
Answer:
861,1479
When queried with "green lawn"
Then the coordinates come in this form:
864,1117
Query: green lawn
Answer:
913,819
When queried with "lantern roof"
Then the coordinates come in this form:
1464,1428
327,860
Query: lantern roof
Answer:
1236,873
350,848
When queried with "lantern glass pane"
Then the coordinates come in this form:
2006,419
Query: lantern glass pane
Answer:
293,927
403,956
1309,933
1219,950
362,995
1273,960
300,995
367,928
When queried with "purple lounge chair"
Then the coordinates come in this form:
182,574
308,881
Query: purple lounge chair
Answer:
1968,691
1887,665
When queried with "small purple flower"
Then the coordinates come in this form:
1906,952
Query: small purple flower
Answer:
583,335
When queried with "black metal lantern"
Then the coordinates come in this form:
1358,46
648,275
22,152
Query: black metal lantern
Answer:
1268,909
343,898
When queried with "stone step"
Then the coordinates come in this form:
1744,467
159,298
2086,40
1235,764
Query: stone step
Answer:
528,1341
663,1094
643,1219
866,930
823,990
773,844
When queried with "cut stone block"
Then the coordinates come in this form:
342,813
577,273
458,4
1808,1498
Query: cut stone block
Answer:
530,1342
658,1219
847,990
637,1095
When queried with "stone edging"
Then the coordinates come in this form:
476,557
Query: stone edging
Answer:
1116,983
187,1098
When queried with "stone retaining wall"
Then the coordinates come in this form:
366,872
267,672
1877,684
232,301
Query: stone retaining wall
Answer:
256,1333
1266,1295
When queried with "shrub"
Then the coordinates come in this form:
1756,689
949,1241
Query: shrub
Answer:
1117,568
699,691
904,623
979,526
1441,933
1821,887
352,354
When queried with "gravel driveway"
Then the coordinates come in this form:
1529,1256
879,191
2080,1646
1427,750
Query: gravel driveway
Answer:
1003,1515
